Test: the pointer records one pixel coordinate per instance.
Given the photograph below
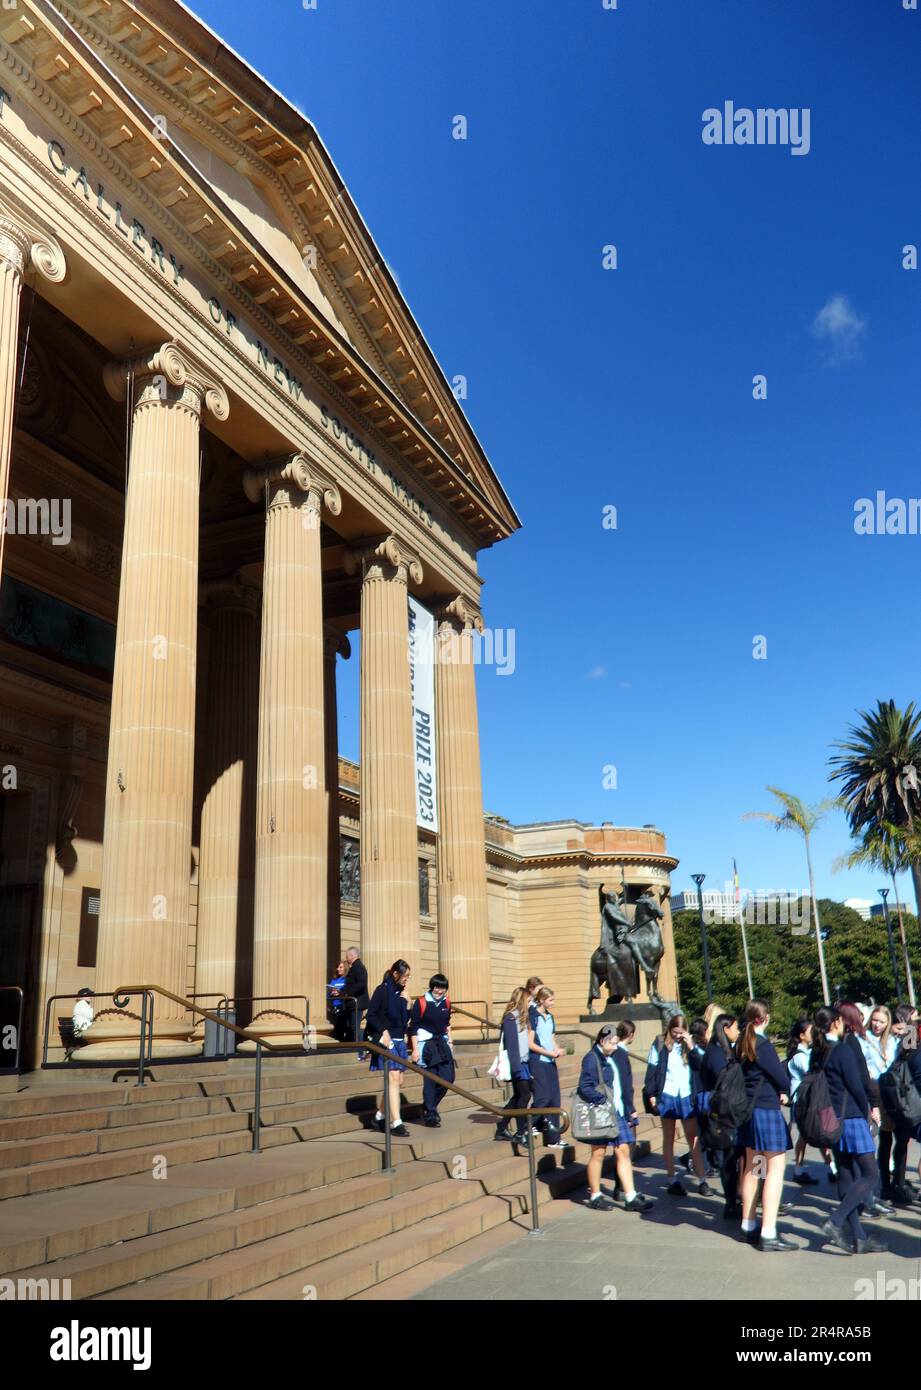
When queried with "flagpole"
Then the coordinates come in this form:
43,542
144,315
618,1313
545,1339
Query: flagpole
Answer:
748,968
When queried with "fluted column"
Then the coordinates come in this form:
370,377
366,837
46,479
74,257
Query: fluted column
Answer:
389,842
289,935
224,939
463,913
144,904
335,644
21,246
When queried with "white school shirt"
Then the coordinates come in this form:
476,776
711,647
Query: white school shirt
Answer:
616,1089
878,1061
678,1073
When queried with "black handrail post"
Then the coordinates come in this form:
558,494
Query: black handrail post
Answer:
143,1044
388,1142
256,1097
532,1174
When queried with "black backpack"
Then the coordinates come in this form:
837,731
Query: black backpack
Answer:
815,1115
730,1107
899,1093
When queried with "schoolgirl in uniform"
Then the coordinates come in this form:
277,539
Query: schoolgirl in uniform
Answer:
880,1046
608,1064
430,1035
799,1052
766,1136
671,1084
626,1032
542,1056
854,1035
906,1017
515,1043
386,1023
717,1056
854,1152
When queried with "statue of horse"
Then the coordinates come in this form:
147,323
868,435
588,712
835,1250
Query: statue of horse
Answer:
625,948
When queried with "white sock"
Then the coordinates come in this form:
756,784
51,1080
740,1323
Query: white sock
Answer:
768,1232
629,1196
378,1114
593,1196
749,1226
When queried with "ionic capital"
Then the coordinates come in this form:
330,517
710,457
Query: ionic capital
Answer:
280,482
171,375
386,558
459,614
23,244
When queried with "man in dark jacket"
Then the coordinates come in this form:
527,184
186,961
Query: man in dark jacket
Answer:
347,1026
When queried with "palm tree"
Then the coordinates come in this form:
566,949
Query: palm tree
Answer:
883,847
879,766
803,819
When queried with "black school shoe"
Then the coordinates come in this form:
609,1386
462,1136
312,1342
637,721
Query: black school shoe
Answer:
399,1131
879,1209
432,1121
599,1204
639,1203
805,1180
836,1235
871,1245
676,1189
732,1211
901,1197
775,1246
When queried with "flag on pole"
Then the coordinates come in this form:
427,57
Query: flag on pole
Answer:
735,878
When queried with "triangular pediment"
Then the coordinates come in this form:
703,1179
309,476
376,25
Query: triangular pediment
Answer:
262,194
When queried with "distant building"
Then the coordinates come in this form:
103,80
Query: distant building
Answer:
864,906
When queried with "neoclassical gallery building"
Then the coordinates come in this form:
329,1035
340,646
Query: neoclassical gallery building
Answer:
225,445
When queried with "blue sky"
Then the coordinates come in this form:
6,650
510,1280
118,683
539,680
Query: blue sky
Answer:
633,387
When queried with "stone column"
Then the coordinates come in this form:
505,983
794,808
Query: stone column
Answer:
21,246
335,644
289,935
144,904
463,913
389,842
226,868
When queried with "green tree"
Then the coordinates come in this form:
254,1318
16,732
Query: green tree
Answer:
883,847
879,766
801,819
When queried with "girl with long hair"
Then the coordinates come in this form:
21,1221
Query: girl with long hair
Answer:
854,1151
607,1066
387,1023
879,1046
718,1055
799,1052
854,1036
542,1065
515,1042
766,1136
671,1084
905,1026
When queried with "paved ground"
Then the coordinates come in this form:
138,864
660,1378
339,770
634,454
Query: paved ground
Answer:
682,1250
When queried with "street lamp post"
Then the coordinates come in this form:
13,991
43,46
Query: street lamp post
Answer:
698,879
884,894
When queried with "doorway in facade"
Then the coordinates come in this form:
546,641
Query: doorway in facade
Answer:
20,916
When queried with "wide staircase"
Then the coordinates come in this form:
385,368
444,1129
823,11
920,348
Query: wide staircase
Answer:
154,1192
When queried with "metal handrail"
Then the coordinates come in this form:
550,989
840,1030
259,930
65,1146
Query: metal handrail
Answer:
387,1057
275,999
146,1032
15,989
456,1008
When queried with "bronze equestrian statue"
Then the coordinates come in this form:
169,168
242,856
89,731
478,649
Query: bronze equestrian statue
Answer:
627,947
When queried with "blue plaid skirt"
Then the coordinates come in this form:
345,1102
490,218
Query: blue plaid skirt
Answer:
766,1132
856,1138
702,1102
675,1107
626,1135
398,1048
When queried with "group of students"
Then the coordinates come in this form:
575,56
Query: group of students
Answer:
867,1159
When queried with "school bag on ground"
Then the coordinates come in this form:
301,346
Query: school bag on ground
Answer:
814,1113
899,1094
589,1121
730,1107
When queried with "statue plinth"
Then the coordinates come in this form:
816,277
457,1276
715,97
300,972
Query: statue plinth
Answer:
616,1013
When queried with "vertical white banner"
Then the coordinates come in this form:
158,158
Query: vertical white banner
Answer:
422,680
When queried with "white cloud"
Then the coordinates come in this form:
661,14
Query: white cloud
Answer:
597,673
839,326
